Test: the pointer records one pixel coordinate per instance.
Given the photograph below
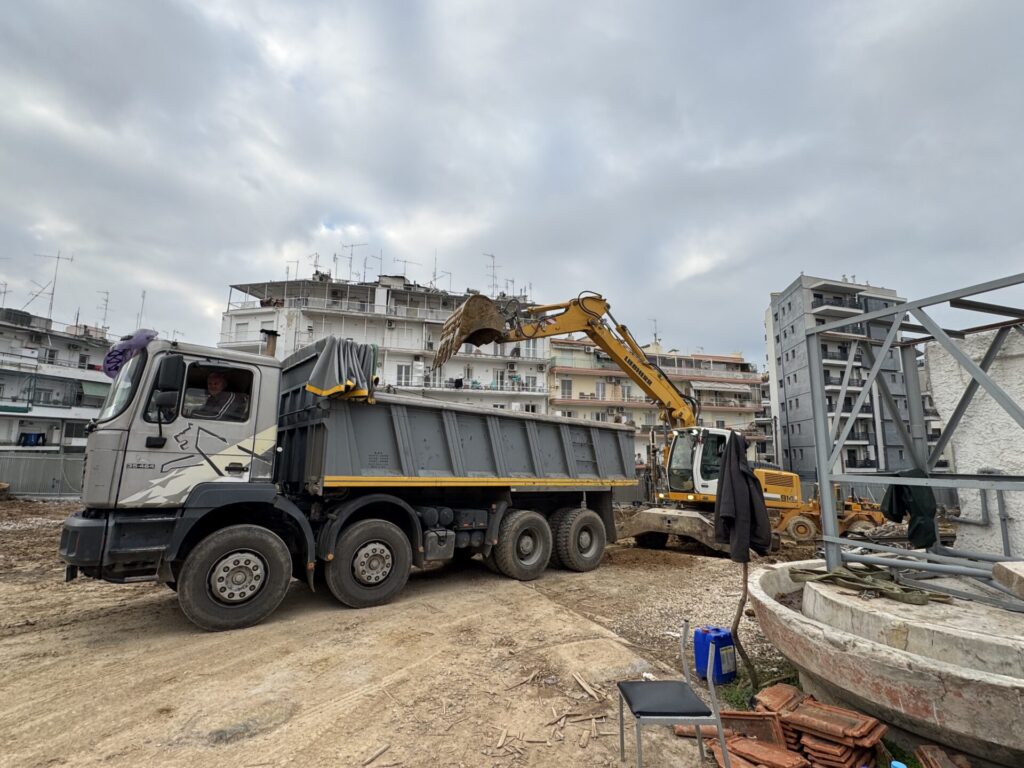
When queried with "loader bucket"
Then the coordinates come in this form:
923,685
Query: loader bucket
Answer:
476,322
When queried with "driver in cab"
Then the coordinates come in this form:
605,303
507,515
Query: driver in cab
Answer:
221,404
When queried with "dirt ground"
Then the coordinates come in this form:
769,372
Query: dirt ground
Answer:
464,661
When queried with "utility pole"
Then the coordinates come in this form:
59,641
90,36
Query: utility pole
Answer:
105,308
142,307
53,284
493,269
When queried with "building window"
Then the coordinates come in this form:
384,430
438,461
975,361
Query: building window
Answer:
44,396
798,427
599,390
530,407
499,378
901,454
568,414
796,402
530,348
566,388
794,378
720,423
627,391
241,331
403,377
600,416
500,406
531,382
801,450
83,361
49,356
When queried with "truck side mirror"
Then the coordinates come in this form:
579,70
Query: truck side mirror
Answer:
171,374
166,399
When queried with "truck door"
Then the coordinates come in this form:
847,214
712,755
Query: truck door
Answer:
203,432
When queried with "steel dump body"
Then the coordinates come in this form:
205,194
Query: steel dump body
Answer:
402,441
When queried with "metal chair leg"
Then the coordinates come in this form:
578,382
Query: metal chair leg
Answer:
639,746
622,731
700,743
721,743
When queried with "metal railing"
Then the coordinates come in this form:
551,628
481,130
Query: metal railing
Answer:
35,475
474,387
837,381
861,463
844,356
845,303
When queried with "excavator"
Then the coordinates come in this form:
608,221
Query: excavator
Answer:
691,459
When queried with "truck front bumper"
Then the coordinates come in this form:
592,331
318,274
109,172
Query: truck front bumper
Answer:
115,545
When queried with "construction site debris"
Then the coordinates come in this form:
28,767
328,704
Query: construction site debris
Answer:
931,756
766,727
767,755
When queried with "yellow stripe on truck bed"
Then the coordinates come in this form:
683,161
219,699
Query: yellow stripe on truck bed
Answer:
339,481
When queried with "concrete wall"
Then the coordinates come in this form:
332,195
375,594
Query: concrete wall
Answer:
987,436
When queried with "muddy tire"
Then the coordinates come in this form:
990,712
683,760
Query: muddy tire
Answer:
234,578
554,521
524,545
802,529
580,540
651,540
371,564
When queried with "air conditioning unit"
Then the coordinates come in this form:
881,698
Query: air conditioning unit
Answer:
74,346
541,368
417,358
390,323
588,350
511,366
610,379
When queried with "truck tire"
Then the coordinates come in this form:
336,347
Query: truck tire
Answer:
524,545
580,539
651,540
234,578
554,522
802,529
371,564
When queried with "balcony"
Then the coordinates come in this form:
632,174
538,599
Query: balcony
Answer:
312,303
472,388
861,464
728,404
865,410
837,381
837,307
841,356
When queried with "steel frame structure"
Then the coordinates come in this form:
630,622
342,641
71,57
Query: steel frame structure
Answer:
831,438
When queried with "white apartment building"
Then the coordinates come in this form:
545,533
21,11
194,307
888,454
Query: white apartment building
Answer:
51,382
404,319
586,383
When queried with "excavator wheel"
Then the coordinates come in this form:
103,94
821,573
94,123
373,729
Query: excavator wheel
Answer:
802,529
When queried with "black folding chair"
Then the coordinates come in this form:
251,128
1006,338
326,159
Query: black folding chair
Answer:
670,702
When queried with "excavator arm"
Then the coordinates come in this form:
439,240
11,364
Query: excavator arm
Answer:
481,321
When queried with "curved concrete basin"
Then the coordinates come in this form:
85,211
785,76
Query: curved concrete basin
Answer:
935,670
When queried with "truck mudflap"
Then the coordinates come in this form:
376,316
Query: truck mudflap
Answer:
113,545
81,542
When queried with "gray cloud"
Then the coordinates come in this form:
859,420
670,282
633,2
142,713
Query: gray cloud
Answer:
683,159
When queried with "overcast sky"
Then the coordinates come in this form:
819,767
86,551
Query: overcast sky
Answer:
684,159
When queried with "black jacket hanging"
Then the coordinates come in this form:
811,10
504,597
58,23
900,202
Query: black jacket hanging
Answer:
741,517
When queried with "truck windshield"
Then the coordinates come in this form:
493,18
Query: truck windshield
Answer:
680,463
123,389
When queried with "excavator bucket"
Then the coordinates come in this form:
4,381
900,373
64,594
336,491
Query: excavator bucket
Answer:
476,322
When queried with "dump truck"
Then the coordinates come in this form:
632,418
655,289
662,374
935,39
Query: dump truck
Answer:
224,475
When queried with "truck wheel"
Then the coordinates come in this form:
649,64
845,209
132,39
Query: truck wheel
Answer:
234,578
524,545
651,540
371,564
579,540
554,522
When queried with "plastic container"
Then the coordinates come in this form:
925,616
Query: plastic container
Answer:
720,639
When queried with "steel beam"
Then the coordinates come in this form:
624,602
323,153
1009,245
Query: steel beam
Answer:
971,367
1005,482
901,428
859,402
915,408
983,306
966,397
916,565
829,523
847,372
930,557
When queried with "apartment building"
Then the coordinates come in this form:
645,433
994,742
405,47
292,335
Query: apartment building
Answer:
404,319
765,448
51,382
873,445
587,384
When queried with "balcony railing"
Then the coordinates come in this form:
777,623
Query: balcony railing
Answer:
723,402
846,303
537,389
847,408
861,435
30,363
837,381
844,356
862,464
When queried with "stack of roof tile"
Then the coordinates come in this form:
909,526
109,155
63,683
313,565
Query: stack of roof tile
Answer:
829,737
780,699
931,756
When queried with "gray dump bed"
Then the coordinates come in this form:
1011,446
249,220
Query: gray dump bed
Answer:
409,441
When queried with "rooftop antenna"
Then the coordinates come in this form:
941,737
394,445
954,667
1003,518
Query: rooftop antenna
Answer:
287,273
351,248
314,259
142,306
104,307
436,274
39,291
380,265
3,294
493,269
53,284
405,264
655,321
511,281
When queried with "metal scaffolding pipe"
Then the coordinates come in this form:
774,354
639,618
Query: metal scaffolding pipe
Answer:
916,565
